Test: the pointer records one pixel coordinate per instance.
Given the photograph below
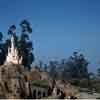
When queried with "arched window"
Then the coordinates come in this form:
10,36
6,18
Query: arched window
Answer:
34,94
44,94
39,94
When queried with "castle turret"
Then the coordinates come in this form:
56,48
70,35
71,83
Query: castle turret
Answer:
13,56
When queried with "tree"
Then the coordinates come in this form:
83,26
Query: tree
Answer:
1,36
2,50
77,65
26,28
41,64
12,30
98,72
23,44
52,69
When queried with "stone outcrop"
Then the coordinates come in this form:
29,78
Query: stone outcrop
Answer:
12,82
15,79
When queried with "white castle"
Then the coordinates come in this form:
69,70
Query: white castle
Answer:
13,56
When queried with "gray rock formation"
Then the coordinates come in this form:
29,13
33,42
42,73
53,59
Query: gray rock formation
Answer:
12,82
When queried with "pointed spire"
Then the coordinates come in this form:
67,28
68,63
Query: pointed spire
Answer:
13,56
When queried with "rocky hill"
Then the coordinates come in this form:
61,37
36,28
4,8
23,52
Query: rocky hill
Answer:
12,81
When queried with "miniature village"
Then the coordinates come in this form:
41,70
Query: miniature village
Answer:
17,81
22,79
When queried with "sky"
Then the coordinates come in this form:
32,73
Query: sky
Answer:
60,27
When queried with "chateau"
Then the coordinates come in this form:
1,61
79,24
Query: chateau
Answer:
13,56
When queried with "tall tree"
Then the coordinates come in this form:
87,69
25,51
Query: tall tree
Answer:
2,50
77,65
98,72
1,36
23,44
52,69
41,65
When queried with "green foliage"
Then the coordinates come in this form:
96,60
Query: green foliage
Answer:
1,36
25,25
84,83
12,30
98,72
53,69
75,82
25,47
76,67
40,83
96,85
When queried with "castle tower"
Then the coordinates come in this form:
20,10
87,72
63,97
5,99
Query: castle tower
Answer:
13,56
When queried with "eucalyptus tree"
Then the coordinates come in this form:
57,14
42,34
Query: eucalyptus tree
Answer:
12,30
98,72
1,36
53,69
23,44
2,50
78,65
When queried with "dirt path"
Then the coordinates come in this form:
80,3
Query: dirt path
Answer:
84,95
